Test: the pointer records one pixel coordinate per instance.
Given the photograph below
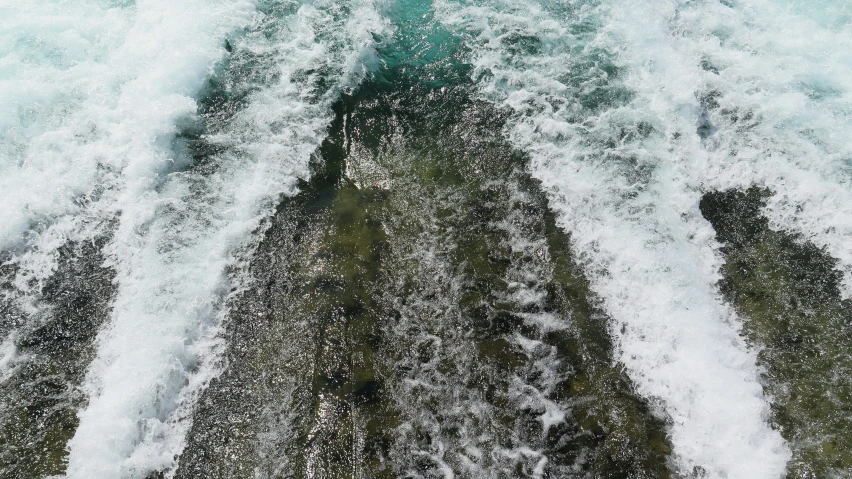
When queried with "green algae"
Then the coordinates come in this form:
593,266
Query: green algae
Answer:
787,291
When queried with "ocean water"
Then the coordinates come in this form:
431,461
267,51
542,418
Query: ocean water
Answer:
407,238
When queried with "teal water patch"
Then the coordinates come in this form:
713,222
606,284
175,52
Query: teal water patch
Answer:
421,50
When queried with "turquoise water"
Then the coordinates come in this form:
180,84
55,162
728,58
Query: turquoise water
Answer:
492,238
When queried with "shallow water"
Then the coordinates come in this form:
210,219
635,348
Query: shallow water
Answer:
450,238
460,337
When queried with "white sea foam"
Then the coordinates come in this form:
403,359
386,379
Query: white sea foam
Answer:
610,124
9,358
58,88
58,92
92,96
779,70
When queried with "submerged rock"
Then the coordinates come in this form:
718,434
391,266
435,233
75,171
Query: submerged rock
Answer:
787,291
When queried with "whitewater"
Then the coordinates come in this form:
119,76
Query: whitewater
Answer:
107,155
409,238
